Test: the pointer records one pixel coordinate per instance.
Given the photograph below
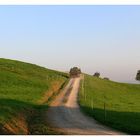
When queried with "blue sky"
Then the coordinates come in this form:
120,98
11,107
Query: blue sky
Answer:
95,38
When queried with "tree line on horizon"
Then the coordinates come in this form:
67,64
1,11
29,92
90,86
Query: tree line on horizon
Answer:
75,72
97,74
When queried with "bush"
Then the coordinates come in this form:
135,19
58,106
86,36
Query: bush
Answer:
138,75
106,78
97,74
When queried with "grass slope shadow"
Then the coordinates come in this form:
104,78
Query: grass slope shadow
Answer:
22,118
110,118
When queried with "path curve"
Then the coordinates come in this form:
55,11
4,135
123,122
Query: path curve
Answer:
64,115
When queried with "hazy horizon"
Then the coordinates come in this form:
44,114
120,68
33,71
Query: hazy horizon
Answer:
94,38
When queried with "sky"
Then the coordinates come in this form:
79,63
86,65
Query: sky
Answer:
105,39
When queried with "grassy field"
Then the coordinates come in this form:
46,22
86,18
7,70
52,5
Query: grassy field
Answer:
111,103
25,90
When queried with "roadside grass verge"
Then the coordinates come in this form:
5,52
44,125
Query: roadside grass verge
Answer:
25,90
114,104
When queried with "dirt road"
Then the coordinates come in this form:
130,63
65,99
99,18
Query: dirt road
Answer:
64,115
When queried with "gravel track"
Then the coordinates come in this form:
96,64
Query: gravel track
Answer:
64,115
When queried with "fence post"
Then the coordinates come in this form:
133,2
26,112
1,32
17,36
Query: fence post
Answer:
92,104
104,109
104,112
85,97
84,88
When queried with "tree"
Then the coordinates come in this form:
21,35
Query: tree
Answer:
75,72
138,75
97,74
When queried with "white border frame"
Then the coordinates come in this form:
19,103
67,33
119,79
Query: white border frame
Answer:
70,2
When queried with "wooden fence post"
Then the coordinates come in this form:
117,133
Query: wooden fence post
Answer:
104,108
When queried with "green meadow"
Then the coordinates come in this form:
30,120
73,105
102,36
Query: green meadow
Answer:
24,91
114,104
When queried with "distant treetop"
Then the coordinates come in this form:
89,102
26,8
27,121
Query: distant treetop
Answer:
97,74
75,72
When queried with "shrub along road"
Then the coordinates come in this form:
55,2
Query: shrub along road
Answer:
64,115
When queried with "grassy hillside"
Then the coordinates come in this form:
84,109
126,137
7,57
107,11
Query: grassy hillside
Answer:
24,88
121,102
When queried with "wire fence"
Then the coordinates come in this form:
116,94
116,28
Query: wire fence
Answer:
107,110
